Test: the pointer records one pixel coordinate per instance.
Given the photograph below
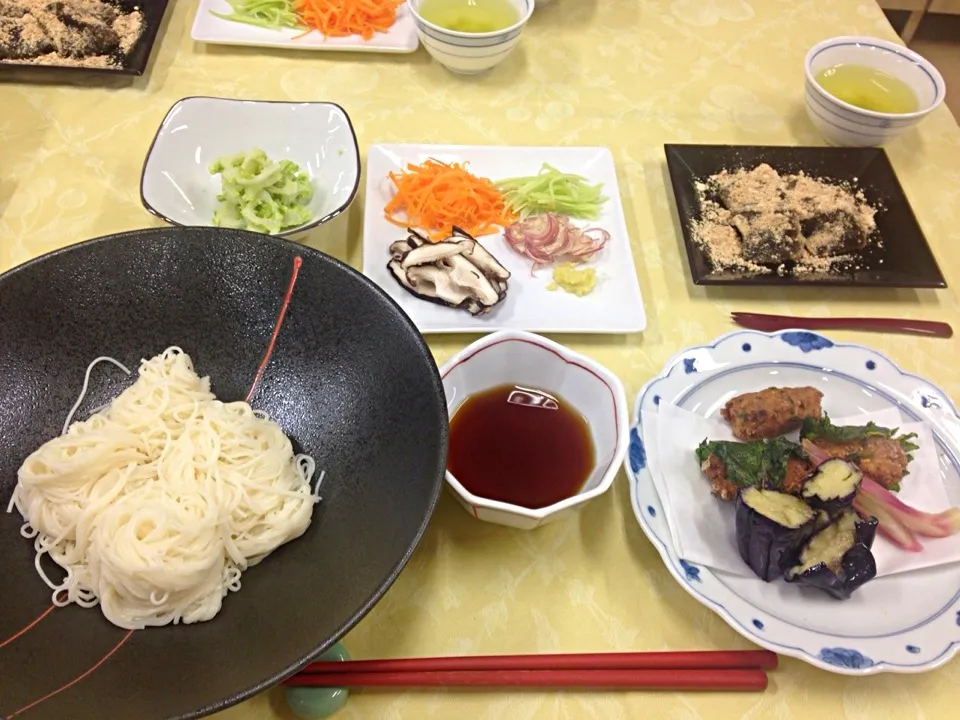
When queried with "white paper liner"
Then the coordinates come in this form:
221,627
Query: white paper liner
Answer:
702,526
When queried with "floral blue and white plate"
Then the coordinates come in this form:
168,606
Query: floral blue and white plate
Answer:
906,622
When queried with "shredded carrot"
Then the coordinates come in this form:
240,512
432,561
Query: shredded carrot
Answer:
435,196
340,18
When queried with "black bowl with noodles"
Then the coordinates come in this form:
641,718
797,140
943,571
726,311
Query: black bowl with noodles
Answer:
350,380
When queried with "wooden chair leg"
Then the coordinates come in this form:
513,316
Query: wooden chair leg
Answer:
913,22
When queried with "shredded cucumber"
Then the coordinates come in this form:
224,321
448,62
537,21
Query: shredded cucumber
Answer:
553,191
261,195
271,14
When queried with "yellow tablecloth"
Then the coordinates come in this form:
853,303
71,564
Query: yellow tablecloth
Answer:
630,74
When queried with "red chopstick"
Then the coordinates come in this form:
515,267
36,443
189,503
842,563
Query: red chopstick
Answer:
685,679
698,670
702,660
772,323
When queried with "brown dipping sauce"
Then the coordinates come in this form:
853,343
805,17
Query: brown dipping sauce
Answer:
521,446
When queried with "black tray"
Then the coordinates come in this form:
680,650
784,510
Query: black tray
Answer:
136,61
904,259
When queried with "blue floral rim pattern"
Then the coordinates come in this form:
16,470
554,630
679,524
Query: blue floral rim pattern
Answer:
690,570
850,659
844,657
638,456
806,341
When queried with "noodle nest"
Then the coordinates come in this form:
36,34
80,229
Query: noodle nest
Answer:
155,505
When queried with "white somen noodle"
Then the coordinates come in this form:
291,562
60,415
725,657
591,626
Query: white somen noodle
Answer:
157,503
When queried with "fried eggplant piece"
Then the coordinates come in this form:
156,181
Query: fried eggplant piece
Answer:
833,485
771,412
837,559
771,529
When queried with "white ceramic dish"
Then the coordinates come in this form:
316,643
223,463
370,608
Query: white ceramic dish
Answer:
470,53
615,306
401,38
843,124
177,186
907,622
533,361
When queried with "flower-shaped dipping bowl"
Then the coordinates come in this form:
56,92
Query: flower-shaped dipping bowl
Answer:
526,359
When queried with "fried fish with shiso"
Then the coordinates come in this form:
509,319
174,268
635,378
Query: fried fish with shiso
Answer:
877,451
773,464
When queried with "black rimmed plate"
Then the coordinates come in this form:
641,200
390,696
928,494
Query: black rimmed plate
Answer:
176,184
903,259
133,64
351,381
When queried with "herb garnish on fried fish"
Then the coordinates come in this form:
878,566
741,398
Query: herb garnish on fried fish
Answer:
814,428
760,463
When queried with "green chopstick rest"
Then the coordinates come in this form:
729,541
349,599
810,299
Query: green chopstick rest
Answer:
317,703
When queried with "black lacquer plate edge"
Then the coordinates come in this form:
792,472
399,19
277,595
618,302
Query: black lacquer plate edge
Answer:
137,63
351,622
678,168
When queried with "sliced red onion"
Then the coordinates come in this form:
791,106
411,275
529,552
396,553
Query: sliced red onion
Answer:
550,238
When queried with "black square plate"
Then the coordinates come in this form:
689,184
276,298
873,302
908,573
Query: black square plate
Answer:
904,258
134,64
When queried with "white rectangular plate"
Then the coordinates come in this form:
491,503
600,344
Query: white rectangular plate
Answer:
401,38
615,305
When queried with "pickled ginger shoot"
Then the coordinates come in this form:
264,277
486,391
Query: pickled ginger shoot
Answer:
261,194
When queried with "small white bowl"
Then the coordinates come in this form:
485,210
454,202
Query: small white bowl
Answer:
470,53
176,184
841,123
511,356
